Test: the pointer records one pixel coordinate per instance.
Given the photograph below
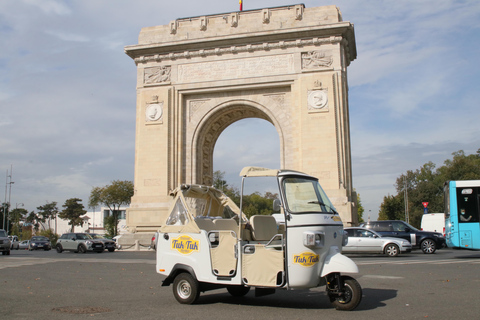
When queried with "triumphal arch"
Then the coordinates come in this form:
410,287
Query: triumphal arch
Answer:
198,75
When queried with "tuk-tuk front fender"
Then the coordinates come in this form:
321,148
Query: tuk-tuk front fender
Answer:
337,262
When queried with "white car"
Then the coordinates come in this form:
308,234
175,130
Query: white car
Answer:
362,240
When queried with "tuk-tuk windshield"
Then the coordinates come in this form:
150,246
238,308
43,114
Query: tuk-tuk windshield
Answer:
304,195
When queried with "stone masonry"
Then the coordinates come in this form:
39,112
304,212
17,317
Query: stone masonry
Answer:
198,75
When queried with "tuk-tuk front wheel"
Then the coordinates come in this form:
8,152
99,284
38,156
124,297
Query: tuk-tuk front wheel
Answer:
348,298
185,288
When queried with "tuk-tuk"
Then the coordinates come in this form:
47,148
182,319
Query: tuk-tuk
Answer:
208,243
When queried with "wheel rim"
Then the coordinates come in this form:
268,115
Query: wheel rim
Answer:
184,289
428,246
392,251
347,295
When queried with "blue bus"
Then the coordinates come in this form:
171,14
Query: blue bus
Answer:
462,214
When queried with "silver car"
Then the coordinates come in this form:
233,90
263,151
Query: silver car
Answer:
362,240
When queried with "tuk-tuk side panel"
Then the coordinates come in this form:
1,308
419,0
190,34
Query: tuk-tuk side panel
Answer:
224,261
190,249
261,265
304,263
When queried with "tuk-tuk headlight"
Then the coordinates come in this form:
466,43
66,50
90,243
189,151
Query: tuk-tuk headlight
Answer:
313,239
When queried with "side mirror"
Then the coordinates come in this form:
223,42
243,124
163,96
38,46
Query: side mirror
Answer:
407,229
73,238
276,205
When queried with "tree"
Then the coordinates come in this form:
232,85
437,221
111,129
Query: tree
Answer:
17,215
360,209
219,181
32,218
117,194
426,185
73,210
48,212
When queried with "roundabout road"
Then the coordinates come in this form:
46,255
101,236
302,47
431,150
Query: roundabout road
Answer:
124,285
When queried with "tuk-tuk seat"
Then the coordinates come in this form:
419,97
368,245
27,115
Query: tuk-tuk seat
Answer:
205,224
264,227
225,224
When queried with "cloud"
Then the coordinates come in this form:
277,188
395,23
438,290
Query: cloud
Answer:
68,92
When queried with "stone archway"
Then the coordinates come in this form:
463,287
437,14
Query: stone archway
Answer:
196,76
213,125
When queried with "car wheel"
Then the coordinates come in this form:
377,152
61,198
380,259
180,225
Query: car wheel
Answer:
82,249
59,248
186,288
111,249
351,297
428,246
392,250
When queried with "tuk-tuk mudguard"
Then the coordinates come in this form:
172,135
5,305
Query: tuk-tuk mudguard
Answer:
337,262
178,268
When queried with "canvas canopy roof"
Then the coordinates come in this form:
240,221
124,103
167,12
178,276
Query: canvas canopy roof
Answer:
193,202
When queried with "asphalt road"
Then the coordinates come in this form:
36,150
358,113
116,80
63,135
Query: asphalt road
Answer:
124,285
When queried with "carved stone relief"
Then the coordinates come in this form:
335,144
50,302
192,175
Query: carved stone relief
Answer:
157,75
318,100
316,60
154,112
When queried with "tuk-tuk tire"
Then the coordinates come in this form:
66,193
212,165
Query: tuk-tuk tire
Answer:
238,291
353,291
185,288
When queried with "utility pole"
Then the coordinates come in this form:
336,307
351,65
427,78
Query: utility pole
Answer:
9,197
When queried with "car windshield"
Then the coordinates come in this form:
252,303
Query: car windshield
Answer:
83,236
39,239
305,195
401,225
96,236
3,233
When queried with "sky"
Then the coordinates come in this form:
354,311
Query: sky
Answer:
68,97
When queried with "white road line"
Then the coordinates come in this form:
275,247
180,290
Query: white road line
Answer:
18,262
373,276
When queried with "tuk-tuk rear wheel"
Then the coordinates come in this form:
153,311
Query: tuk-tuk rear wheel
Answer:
185,288
351,297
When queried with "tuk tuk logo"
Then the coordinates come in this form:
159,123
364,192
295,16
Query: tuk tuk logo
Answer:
336,218
185,244
306,259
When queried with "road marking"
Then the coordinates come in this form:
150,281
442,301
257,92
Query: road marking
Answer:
372,276
406,262
18,262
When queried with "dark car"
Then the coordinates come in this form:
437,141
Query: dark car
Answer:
40,242
4,243
79,242
108,243
428,241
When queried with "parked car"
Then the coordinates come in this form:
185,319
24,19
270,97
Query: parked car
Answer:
362,240
108,243
79,242
153,243
13,242
40,242
24,244
4,243
427,241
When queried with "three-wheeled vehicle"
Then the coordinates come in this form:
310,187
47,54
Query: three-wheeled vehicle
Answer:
208,243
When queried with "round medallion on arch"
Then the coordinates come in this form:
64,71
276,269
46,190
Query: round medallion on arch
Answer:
154,112
318,99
